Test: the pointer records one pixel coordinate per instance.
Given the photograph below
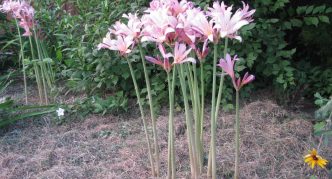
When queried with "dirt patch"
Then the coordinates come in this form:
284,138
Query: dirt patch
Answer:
273,143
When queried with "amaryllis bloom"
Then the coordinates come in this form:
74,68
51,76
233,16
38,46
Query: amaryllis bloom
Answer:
121,44
184,28
132,28
228,23
158,26
201,54
201,24
228,66
158,61
22,11
174,7
177,7
181,54
12,8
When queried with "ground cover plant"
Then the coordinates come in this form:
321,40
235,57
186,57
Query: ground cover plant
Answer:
191,59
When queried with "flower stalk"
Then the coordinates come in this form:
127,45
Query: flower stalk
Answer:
139,101
23,63
171,135
153,119
237,136
191,141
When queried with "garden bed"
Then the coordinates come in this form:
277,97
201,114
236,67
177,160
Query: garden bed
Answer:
273,143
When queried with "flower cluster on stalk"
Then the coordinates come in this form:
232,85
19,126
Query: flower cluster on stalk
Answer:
177,28
21,11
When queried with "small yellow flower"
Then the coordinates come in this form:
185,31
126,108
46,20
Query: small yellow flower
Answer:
313,159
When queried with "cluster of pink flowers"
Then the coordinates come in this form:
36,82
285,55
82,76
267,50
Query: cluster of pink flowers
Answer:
22,11
180,26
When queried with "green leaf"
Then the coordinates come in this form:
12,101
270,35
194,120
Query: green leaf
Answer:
324,19
296,22
319,9
328,10
311,21
309,9
301,9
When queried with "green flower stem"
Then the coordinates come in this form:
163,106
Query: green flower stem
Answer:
221,85
171,146
191,141
36,69
213,166
139,101
237,136
23,64
199,146
154,125
41,66
202,98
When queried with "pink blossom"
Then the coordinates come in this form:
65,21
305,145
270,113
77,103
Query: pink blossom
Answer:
158,26
228,23
174,7
228,66
121,44
21,11
201,24
184,27
201,54
12,8
132,28
181,54
158,61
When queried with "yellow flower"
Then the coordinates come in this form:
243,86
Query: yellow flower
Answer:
313,159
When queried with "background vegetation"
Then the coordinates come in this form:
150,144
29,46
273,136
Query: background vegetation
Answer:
287,48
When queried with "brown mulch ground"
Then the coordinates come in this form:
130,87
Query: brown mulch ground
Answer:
273,143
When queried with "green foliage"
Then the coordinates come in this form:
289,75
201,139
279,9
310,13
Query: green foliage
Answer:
286,47
116,103
10,112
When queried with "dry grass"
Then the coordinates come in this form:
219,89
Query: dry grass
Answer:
273,142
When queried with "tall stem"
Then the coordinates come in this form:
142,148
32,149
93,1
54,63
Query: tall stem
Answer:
23,63
139,101
213,121
191,141
154,125
202,98
198,132
171,146
237,137
221,84
41,66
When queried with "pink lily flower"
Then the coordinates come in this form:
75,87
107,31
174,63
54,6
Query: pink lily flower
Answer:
158,26
21,11
246,79
228,23
121,44
184,27
163,63
201,54
228,66
132,28
177,7
10,7
181,54
201,24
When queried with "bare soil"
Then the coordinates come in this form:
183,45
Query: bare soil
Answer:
273,143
